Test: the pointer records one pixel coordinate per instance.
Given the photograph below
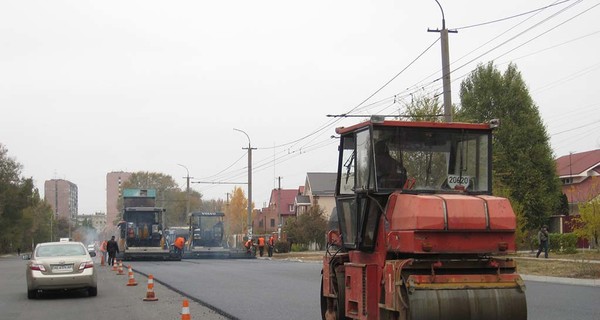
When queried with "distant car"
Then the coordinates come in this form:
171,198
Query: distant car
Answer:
61,266
91,248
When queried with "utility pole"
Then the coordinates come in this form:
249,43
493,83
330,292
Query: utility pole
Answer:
187,189
445,66
249,182
279,209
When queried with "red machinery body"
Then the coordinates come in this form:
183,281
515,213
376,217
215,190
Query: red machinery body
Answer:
427,248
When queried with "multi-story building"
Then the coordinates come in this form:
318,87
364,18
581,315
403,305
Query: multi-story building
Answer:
97,220
62,197
114,181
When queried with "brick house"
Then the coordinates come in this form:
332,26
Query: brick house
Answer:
580,177
266,220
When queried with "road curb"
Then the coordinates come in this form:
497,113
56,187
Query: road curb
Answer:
571,281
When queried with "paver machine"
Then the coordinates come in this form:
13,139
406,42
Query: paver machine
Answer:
419,234
206,238
141,230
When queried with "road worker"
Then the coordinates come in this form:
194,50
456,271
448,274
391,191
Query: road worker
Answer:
271,244
261,245
178,245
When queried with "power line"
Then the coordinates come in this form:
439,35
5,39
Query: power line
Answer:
511,17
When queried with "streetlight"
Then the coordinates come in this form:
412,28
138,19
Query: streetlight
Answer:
187,189
249,183
445,66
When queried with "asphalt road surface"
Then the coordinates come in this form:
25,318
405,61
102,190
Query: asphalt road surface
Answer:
115,300
265,289
231,289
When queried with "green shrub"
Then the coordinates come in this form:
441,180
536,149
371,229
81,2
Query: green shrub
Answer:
563,242
282,246
298,247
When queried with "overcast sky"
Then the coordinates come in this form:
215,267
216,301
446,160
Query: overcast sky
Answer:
90,87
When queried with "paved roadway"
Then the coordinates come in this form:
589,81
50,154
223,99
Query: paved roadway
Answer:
277,289
241,289
115,300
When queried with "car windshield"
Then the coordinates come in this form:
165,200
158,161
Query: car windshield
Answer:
60,250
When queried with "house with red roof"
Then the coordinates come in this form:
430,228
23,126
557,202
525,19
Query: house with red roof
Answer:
580,177
579,174
281,206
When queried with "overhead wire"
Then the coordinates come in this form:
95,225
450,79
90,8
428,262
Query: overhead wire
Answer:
283,156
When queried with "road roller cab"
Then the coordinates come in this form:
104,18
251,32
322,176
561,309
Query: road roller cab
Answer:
419,234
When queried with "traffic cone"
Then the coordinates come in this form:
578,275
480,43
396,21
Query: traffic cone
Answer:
115,266
131,281
120,270
150,291
185,311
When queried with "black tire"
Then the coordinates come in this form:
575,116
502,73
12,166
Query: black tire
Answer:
31,294
93,291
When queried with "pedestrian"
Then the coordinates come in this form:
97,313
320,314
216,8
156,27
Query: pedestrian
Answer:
261,245
543,241
18,251
113,248
103,250
271,244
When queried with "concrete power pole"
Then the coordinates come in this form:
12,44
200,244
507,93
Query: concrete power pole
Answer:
280,225
249,182
445,67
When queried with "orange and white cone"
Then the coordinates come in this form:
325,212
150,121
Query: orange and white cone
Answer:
115,267
120,270
185,311
131,281
150,291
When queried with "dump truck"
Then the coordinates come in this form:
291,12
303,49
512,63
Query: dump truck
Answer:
206,238
141,230
419,233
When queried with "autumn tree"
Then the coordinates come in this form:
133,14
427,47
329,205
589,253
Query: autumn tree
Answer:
523,164
236,215
587,225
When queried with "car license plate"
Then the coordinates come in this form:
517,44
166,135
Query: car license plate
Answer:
62,268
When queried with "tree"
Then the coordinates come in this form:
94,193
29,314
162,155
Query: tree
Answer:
308,228
522,158
236,219
24,217
587,225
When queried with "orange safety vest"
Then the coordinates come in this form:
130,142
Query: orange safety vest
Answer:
248,244
261,242
179,242
271,241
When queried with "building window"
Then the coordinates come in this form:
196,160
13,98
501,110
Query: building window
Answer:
272,223
291,208
567,180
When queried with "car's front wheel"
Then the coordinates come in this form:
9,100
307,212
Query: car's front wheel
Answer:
31,294
93,291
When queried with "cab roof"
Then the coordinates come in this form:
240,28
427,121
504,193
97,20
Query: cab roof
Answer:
415,124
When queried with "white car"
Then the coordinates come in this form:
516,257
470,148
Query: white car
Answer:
91,248
61,266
